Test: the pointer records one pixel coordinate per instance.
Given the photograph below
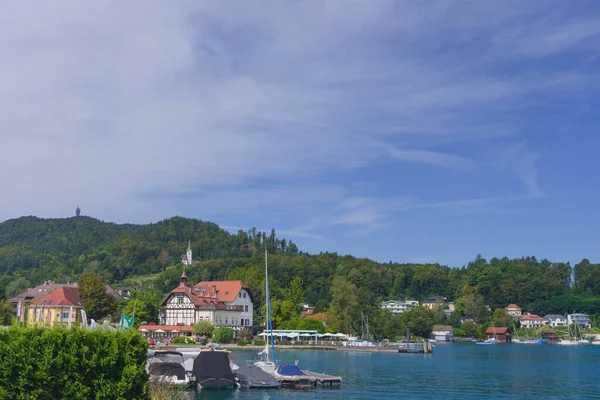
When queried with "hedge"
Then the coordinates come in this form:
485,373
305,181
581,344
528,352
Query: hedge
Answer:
61,363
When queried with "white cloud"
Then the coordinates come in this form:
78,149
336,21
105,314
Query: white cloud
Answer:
110,104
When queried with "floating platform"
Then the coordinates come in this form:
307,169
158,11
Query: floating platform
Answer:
416,348
324,379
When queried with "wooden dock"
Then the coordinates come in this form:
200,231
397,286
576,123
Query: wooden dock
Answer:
324,379
425,347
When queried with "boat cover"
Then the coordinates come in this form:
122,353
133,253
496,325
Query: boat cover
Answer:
168,369
211,368
289,370
252,376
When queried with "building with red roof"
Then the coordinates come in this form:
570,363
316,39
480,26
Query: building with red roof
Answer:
502,334
513,310
224,303
60,307
532,321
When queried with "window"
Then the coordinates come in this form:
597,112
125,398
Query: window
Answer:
226,320
180,299
240,294
65,315
244,294
242,321
246,308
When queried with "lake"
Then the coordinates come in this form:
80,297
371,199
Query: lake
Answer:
454,371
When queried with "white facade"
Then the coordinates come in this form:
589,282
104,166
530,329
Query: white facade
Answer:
442,333
399,306
186,259
555,320
513,310
583,320
532,321
243,299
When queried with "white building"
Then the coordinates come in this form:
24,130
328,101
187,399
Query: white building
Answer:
513,310
442,333
555,320
399,306
582,319
532,321
187,259
224,303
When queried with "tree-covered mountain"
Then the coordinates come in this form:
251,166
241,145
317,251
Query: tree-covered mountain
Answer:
148,256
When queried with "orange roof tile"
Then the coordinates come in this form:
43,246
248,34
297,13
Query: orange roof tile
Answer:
63,296
513,306
497,330
321,316
227,290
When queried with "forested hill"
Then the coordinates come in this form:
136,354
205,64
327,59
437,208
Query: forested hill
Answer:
50,247
34,249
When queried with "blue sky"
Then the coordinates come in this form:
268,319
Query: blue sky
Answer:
405,131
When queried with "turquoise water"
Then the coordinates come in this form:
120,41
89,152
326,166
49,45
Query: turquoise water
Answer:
454,371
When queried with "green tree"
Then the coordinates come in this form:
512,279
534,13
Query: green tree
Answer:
203,328
6,313
222,334
92,291
16,287
470,328
474,306
501,318
344,303
419,320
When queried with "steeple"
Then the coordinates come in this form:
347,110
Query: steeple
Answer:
183,279
186,259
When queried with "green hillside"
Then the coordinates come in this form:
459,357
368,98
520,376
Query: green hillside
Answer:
148,257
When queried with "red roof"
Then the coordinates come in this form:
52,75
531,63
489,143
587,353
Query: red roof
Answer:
38,292
531,317
307,312
203,296
63,296
499,330
321,316
166,328
442,328
228,290
513,306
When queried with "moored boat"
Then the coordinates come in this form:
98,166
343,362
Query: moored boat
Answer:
291,376
167,367
253,377
212,369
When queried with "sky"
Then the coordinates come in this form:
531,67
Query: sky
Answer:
394,130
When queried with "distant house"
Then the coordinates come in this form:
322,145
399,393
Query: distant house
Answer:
466,318
57,308
513,310
322,317
500,333
125,292
583,320
555,320
33,294
550,336
308,312
532,321
442,333
399,306
435,301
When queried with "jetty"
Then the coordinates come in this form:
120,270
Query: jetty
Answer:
424,347
324,379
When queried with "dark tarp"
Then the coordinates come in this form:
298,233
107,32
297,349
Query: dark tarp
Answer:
254,377
289,370
212,369
168,369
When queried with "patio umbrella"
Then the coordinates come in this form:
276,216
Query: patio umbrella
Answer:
143,330
159,331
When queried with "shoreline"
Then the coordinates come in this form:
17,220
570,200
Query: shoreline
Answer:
234,347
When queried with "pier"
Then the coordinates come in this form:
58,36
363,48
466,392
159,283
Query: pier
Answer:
324,379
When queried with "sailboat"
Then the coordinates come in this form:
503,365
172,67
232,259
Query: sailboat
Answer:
267,358
570,341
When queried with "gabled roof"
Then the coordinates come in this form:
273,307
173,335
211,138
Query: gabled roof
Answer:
554,317
442,328
321,316
227,290
499,330
434,299
63,296
513,306
531,317
37,292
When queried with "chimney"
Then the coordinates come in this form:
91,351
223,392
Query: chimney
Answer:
215,290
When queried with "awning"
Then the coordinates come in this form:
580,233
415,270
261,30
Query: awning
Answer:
143,330
159,330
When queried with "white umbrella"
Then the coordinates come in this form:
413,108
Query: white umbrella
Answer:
143,330
159,330
174,330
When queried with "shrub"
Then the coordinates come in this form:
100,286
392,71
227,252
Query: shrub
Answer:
245,334
259,342
61,363
203,328
241,342
183,340
223,335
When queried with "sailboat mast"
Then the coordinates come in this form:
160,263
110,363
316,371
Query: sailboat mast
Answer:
269,321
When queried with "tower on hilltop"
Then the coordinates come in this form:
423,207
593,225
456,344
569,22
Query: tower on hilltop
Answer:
77,211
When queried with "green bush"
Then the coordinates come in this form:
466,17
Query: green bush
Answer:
60,363
184,340
241,342
223,335
259,342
